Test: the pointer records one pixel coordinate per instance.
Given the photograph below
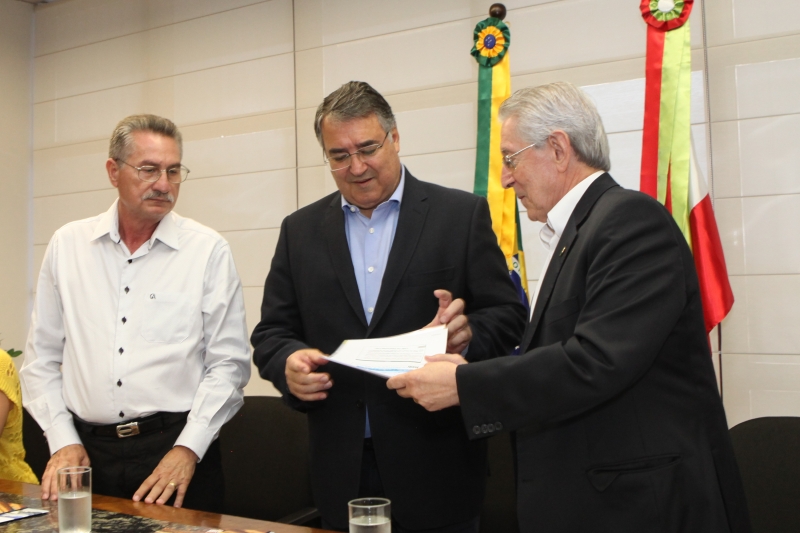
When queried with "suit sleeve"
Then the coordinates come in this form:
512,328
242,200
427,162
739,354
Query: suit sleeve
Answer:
496,314
635,291
280,331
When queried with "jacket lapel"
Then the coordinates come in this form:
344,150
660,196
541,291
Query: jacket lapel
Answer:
413,212
340,255
560,254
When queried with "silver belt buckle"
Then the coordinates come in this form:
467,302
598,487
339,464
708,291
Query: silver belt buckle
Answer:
128,430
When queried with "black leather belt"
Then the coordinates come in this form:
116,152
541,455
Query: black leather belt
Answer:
137,426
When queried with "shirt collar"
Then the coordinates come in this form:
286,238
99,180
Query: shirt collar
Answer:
108,224
559,215
397,195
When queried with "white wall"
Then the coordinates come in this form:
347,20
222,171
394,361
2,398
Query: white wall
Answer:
16,25
242,79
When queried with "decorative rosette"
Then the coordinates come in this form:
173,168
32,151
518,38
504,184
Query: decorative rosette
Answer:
666,15
492,38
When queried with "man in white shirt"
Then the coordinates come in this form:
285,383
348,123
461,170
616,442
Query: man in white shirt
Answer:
138,352
617,418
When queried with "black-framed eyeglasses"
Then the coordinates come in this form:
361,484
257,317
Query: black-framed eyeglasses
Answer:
343,161
510,162
152,174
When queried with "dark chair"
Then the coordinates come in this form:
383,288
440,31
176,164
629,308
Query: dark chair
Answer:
265,462
768,453
37,453
499,510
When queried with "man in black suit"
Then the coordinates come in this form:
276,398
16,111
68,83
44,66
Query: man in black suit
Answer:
619,425
385,255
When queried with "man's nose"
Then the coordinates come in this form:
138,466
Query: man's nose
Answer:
162,184
357,166
506,178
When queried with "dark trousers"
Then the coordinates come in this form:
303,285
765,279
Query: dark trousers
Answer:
119,466
372,486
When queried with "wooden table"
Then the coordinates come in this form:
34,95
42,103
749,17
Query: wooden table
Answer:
157,512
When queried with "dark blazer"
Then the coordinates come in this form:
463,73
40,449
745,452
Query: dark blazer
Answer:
619,424
430,470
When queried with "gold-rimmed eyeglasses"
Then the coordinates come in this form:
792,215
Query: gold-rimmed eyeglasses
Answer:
510,162
151,174
342,161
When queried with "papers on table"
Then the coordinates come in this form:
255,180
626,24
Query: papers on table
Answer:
10,512
389,356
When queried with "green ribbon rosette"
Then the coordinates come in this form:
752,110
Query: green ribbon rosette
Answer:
491,42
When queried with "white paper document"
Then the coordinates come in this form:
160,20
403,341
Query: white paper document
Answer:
390,356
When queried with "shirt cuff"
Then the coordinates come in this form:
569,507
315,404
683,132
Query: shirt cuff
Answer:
195,437
61,435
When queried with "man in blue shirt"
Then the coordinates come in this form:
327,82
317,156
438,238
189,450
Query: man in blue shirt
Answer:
385,255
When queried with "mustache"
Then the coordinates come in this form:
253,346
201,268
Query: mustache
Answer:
158,196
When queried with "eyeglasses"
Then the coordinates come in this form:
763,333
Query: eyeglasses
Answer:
152,174
343,161
510,162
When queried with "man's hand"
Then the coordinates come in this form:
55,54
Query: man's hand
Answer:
303,382
72,455
451,312
434,385
172,474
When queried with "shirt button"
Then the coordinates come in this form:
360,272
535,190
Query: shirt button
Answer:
121,350
126,290
119,383
371,269
130,261
124,320
476,430
121,414
352,209
372,230
371,309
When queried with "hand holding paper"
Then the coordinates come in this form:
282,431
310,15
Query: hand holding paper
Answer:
451,314
434,386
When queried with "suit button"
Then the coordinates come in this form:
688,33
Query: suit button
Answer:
498,426
476,430
484,428
491,428
359,403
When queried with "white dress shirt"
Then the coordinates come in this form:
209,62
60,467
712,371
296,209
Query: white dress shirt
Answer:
557,220
116,336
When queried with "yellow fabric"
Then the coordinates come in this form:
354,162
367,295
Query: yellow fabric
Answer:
12,453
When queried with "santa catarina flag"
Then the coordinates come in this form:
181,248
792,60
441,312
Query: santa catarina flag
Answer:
492,38
669,171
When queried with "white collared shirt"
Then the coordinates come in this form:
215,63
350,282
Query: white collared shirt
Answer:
557,220
162,329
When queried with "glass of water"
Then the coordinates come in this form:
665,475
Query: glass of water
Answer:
370,515
75,499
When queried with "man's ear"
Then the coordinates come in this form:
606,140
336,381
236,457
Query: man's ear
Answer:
562,148
395,139
113,171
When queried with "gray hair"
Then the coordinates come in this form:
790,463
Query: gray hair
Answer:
560,106
121,143
354,99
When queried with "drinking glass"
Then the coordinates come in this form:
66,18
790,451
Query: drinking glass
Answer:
370,515
75,499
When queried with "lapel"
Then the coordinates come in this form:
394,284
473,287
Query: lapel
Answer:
413,212
340,255
560,254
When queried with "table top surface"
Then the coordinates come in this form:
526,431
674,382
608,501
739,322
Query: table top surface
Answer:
162,513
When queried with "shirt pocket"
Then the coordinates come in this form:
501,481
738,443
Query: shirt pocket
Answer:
167,317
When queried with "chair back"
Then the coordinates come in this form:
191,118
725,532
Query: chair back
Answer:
37,453
768,453
265,460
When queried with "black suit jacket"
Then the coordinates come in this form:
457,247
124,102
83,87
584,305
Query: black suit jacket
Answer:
619,424
430,470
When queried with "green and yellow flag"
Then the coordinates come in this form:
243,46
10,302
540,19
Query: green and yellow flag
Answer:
492,38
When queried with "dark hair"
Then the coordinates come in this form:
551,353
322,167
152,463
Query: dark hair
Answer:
354,99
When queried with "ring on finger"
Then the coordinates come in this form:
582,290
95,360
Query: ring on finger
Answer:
171,484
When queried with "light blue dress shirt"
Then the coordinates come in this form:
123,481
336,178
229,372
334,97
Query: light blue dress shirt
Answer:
370,240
